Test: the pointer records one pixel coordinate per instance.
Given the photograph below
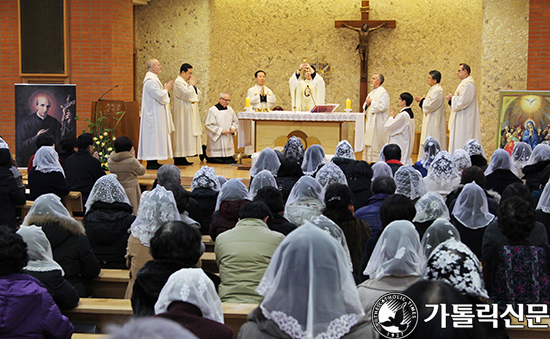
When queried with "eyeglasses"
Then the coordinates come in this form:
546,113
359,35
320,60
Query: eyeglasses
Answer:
228,100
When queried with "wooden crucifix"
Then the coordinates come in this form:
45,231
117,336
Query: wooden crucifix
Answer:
364,27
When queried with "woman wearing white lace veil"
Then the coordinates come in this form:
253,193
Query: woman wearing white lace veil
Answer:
320,304
409,183
462,160
429,151
501,172
470,215
335,231
304,201
344,150
267,160
262,179
233,195
532,172
190,299
477,153
381,169
155,209
396,263
107,220
330,174
47,175
313,159
440,231
521,155
42,266
204,189
543,207
429,208
442,175
294,149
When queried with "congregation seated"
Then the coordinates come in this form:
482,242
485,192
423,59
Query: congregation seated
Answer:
12,191
156,208
175,245
82,168
477,153
70,245
359,177
267,160
429,208
339,208
47,175
42,267
344,155
520,156
262,179
469,175
395,207
538,162
65,147
305,201
294,150
273,198
124,164
233,195
199,309
501,172
314,158
391,155
429,151
462,160
288,174
107,221
311,302
409,182
382,188
28,310
147,328
442,175
205,187
330,174
390,271
243,253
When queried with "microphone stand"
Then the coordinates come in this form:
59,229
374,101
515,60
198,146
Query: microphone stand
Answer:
101,97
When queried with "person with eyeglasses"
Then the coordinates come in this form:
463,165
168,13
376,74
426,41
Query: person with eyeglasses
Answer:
221,125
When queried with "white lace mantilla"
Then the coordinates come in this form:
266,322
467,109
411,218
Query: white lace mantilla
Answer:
300,116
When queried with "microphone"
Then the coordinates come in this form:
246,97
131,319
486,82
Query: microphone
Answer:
312,96
101,97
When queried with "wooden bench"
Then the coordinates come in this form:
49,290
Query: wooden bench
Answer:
87,336
209,262
72,202
110,283
529,333
119,311
208,243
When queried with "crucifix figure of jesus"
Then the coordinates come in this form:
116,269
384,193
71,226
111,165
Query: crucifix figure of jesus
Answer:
362,47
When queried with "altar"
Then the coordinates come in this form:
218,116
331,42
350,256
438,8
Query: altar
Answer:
326,128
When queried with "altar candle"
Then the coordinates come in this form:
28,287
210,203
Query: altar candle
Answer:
348,104
247,102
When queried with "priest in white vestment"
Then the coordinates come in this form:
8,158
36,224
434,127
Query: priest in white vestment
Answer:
378,103
156,123
187,136
434,123
261,99
307,88
221,125
464,122
400,128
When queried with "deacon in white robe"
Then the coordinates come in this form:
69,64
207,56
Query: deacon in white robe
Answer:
221,125
187,137
400,128
378,103
156,119
464,122
434,123
261,96
307,88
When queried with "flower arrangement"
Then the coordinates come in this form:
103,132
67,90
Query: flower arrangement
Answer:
104,137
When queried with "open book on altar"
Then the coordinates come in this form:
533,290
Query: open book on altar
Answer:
328,108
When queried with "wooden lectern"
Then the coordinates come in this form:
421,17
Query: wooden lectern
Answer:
128,125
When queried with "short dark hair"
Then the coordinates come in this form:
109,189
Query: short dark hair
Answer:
436,75
123,144
185,67
392,152
381,77
255,210
358,169
272,197
518,189
407,97
466,67
84,141
383,185
13,252
396,207
259,71
516,218
67,143
176,241
338,198
44,139
473,174
181,195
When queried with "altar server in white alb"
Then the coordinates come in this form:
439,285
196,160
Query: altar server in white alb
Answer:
307,88
464,123
434,123
261,96
156,123
378,103
187,137
400,128
221,125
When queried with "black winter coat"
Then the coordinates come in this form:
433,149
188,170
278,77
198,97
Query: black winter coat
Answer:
42,183
63,293
82,171
10,196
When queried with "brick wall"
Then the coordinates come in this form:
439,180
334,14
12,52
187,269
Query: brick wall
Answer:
101,43
538,61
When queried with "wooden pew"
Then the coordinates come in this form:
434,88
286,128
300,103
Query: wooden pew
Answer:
209,262
87,336
529,333
119,311
208,243
110,283
72,202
